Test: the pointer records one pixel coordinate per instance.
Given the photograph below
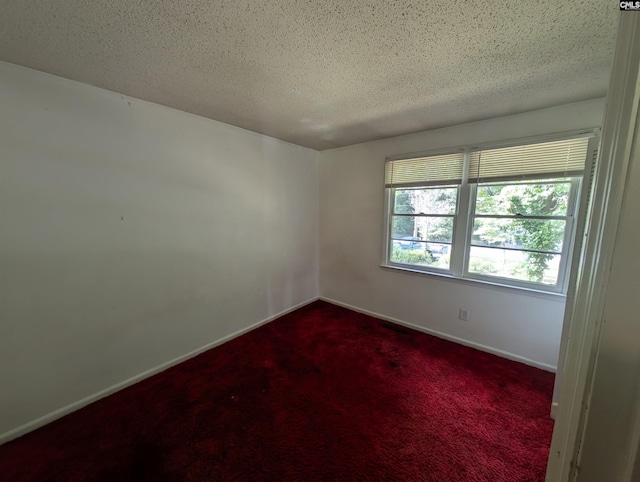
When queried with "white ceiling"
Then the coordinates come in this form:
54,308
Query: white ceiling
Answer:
323,73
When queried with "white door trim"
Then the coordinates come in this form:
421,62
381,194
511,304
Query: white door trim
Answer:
582,344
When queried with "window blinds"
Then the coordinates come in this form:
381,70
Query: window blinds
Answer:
425,171
563,158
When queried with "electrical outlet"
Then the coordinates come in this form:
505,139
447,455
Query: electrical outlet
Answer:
464,315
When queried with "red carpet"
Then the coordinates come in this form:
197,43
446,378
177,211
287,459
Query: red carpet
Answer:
320,394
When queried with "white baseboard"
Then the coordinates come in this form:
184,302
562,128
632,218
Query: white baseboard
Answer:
438,334
72,407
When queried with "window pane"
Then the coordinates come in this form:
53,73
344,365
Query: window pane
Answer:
537,234
423,228
412,251
527,199
438,200
520,265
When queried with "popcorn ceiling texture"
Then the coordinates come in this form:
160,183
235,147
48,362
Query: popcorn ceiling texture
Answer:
323,73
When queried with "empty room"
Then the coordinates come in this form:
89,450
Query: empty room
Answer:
289,240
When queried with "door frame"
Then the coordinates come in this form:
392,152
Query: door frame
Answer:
585,324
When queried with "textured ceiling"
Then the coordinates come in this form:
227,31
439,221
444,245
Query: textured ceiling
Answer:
326,73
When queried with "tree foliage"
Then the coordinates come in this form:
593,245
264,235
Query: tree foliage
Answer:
525,199
425,201
411,256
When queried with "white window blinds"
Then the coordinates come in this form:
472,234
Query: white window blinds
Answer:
563,158
425,171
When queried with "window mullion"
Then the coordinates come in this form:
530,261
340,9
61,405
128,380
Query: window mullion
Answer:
569,234
458,247
389,195
473,192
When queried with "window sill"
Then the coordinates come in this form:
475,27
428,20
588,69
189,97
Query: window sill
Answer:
560,297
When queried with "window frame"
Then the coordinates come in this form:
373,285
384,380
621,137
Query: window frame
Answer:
454,216
465,214
569,218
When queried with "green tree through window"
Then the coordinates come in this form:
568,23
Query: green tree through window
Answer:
532,226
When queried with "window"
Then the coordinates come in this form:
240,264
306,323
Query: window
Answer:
500,214
422,226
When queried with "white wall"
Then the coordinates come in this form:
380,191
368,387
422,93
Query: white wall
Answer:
521,325
133,234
